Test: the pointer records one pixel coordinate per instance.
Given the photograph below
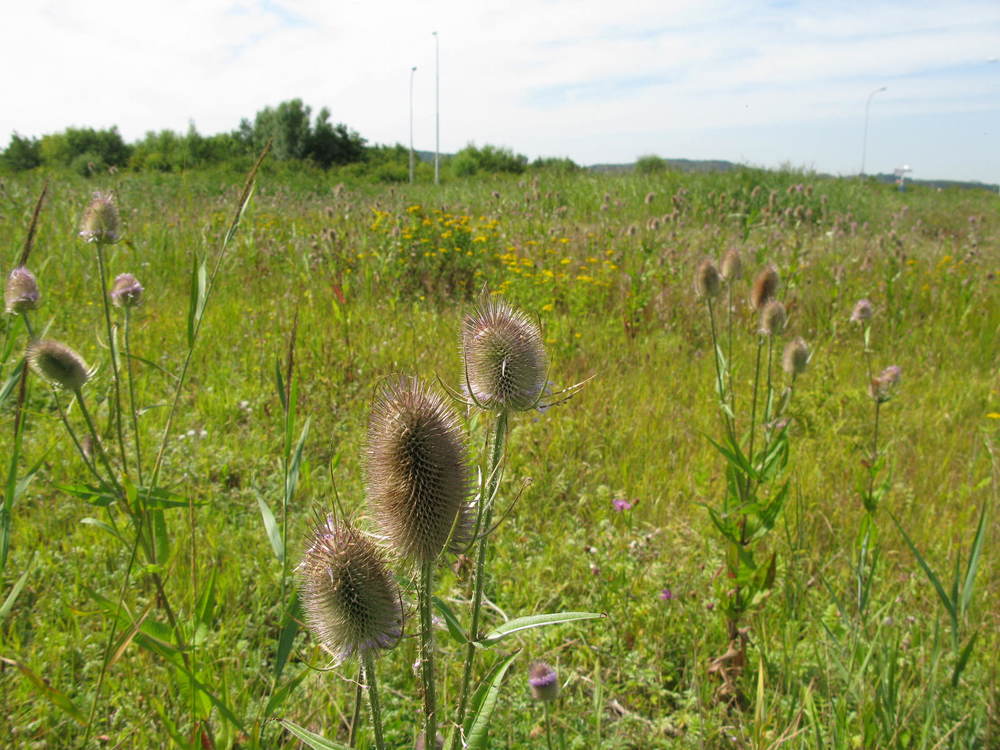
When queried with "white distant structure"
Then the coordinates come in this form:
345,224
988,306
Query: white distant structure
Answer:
901,173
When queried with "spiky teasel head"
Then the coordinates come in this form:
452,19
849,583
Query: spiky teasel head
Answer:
126,291
795,357
732,266
862,312
350,598
505,361
707,282
543,681
58,364
765,287
101,223
21,292
773,318
884,384
417,471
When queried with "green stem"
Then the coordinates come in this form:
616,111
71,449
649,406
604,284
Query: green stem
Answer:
368,669
131,395
114,355
719,382
753,413
99,448
548,725
492,481
352,739
427,651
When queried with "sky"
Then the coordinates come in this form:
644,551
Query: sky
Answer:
782,83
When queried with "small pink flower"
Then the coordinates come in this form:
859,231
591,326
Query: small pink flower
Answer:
666,595
621,504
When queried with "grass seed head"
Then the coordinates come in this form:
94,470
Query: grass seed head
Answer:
101,222
765,287
417,471
862,312
350,598
21,292
732,265
795,357
126,291
58,364
504,357
707,282
773,318
543,681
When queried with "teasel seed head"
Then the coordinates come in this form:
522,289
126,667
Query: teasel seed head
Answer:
707,282
58,364
101,222
417,471
543,681
732,266
765,287
862,312
126,291
504,357
350,598
884,384
21,292
795,357
773,318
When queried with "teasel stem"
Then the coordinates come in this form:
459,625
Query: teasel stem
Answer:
76,441
368,670
99,447
352,739
729,346
427,647
719,381
770,394
492,480
27,325
131,394
114,354
753,412
548,725
866,348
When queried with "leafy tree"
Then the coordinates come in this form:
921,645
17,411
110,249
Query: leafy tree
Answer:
334,144
22,153
561,165
99,146
650,164
488,159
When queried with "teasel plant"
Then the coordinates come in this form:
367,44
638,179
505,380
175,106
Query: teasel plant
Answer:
755,448
123,480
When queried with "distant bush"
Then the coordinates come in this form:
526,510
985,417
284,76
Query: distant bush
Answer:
288,128
488,159
560,165
77,147
651,164
167,151
21,154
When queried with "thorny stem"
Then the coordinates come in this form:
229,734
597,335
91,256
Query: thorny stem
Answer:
753,411
131,396
352,739
427,650
548,725
493,479
720,384
114,354
368,669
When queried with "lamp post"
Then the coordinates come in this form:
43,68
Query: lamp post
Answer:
437,109
413,70
864,143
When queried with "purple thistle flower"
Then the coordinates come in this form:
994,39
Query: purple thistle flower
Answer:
666,595
621,504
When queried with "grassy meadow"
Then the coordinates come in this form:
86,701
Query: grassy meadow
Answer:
103,646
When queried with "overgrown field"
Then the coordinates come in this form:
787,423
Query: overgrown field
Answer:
370,282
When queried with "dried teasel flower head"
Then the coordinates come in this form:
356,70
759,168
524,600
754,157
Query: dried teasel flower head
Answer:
707,282
21,292
862,312
884,384
58,364
765,287
417,471
101,223
795,357
773,318
504,357
126,291
349,596
543,681
732,265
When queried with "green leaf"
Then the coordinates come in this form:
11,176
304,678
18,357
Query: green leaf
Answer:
960,664
279,696
454,627
59,699
11,382
312,739
106,527
271,527
535,621
286,638
205,610
484,700
973,566
293,470
8,604
279,383
948,604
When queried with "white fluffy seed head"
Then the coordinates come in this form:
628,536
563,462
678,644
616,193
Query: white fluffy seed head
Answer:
504,357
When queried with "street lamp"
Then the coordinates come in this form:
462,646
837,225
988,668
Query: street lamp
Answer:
437,109
412,71
864,144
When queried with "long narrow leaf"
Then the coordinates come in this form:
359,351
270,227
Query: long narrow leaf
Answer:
450,620
8,604
484,700
271,527
973,566
286,638
58,698
948,604
535,621
311,738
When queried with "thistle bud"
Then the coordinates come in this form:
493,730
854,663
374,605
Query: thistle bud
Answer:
350,599
795,357
58,364
543,681
126,291
101,222
773,318
21,293
505,361
417,471
884,384
732,265
862,311
706,279
765,287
